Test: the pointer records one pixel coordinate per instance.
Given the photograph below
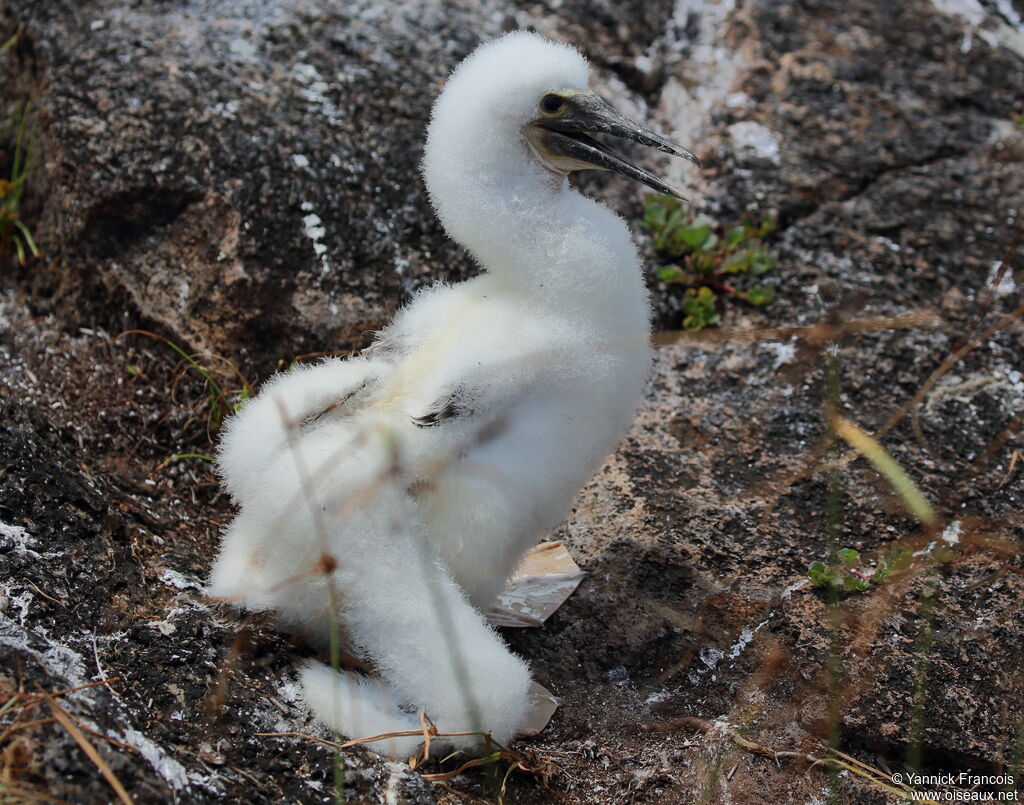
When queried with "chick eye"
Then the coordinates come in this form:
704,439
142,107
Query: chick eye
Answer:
551,103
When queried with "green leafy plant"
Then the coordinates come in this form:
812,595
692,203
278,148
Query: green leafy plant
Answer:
700,308
13,230
894,563
840,574
712,261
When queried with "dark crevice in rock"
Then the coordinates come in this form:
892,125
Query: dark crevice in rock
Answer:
797,215
119,223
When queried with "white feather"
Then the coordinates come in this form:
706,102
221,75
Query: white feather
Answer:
541,360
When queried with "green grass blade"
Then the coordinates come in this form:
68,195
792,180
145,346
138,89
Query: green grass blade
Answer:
27,236
19,151
8,44
878,456
179,456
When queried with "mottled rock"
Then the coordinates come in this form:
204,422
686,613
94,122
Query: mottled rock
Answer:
243,174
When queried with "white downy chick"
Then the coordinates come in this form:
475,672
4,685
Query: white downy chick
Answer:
425,468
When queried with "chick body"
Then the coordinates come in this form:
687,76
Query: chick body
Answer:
427,466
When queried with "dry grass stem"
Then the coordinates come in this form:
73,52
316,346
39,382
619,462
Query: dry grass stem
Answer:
33,699
90,750
814,334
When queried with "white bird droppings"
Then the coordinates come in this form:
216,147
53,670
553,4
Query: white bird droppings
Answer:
737,648
737,100
60,661
1007,285
243,50
167,767
20,540
1004,28
784,353
754,137
315,230
396,773
952,533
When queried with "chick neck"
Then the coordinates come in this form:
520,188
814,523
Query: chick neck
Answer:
530,231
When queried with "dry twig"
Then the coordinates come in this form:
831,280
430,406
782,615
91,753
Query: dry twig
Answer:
66,721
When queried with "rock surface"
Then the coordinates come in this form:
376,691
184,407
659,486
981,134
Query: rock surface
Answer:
242,176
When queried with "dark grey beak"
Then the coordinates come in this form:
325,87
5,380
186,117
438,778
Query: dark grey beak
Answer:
565,139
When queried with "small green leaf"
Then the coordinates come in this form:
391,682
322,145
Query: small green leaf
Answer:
760,295
942,555
896,562
848,556
762,261
671,274
674,244
701,252
696,233
699,305
769,221
692,307
675,216
819,573
855,584
734,236
736,262
654,217
701,263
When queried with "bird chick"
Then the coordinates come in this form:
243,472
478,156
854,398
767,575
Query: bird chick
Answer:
395,492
